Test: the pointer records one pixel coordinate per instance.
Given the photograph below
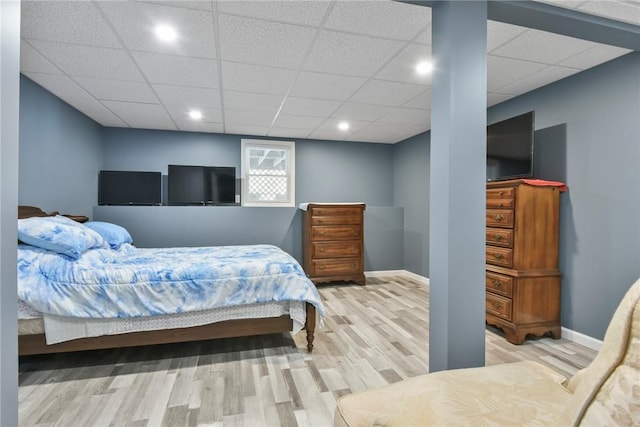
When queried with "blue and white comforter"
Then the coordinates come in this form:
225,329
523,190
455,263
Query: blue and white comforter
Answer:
134,282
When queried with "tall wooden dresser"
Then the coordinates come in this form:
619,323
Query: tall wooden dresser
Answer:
522,276
333,242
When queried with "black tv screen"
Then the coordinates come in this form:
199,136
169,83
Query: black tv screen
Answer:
510,148
201,185
129,188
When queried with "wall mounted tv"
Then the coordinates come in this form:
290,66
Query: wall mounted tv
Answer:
510,148
129,188
201,185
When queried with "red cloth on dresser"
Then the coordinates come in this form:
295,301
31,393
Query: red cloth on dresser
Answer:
542,182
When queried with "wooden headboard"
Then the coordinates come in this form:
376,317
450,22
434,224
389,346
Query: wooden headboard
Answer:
29,211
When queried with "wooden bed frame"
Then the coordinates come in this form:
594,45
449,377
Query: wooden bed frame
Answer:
36,344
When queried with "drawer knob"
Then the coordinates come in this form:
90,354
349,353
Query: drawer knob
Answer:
321,267
353,231
498,256
321,249
499,217
353,266
499,237
501,193
321,232
496,305
497,283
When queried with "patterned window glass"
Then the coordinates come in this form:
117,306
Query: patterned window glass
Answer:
268,173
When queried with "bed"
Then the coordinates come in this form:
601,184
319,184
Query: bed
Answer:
86,286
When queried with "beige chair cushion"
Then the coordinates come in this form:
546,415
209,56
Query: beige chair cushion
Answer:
608,391
522,393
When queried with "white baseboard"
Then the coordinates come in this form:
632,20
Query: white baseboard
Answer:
581,339
568,334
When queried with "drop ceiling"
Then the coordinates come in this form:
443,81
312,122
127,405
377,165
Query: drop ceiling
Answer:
290,69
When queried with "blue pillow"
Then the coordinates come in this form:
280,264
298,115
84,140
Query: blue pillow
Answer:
59,234
114,234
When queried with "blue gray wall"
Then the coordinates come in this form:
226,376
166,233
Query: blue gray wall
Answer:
588,135
60,152
326,171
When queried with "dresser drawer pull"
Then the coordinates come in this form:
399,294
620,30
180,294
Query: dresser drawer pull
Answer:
321,232
501,193
353,231
353,266
496,305
497,283
350,248
498,256
499,237
321,267
499,217
321,249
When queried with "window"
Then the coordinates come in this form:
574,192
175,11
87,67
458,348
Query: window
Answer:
268,173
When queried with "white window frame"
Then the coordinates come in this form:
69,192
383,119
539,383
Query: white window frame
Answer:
291,171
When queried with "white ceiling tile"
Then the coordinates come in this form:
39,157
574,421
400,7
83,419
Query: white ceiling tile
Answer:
256,78
118,90
424,36
292,12
504,71
309,107
180,114
297,122
86,61
403,67
191,126
263,42
135,23
141,116
499,33
382,19
329,135
242,129
332,124
497,98
422,101
350,55
195,4
60,85
188,97
178,70
407,116
618,10
66,22
596,55
534,81
365,112
379,129
533,45
246,101
32,61
381,92
96,111
326,86
289,133
254,118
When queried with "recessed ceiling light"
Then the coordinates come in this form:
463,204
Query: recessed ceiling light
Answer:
166,33
343,126
424,67
195,114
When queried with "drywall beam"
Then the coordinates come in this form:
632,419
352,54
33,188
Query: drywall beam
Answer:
457,186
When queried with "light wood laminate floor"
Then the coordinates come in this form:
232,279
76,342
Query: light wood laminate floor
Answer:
374,335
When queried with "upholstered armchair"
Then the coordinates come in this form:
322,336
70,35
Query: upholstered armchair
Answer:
606,393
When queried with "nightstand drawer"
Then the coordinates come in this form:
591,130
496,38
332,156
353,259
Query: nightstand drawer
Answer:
341,212
501,198
331,267
332,220
343,249
500,237
498,306
499,284
335,232
499,256
499,218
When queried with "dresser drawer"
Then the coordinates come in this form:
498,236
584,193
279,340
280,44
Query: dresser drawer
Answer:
501,197
335,232
500,237
332,267
499,218
343,249
499,256
335,211
499,284
332,220
498,306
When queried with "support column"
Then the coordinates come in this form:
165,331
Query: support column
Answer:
457,185
9,112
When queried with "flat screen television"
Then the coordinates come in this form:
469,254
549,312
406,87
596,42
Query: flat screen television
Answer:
129,188
201,185
510,148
